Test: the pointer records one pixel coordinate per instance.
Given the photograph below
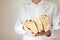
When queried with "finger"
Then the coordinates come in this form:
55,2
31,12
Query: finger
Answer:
40,34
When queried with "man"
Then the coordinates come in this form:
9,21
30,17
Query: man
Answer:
34,8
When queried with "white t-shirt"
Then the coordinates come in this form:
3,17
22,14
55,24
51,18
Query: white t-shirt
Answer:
29,10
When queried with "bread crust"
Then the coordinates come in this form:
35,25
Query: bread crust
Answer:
39,23
45,21
31,25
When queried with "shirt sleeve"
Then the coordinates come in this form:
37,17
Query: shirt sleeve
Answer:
19,23
55,31
56,18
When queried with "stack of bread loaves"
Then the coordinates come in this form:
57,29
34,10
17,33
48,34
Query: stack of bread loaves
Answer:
38,24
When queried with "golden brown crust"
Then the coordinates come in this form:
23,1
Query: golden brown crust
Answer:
39,23
45,21
31,25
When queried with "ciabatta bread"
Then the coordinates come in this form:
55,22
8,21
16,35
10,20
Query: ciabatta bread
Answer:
45,21
38,23
30,24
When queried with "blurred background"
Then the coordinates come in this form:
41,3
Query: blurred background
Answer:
8,15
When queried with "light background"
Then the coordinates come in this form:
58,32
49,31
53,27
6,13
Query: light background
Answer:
8,15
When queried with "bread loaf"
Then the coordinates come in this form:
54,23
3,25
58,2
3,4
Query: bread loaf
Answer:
38,23
30,24
45,22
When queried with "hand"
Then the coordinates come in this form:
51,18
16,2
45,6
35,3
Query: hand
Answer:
28,31
48,33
